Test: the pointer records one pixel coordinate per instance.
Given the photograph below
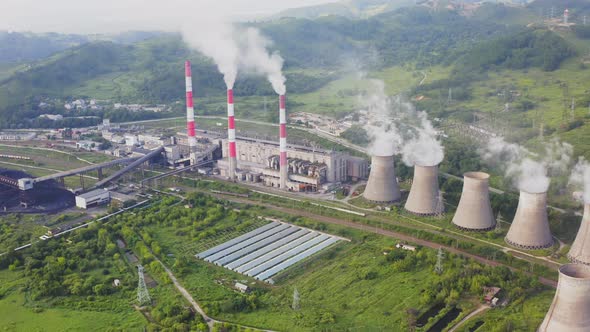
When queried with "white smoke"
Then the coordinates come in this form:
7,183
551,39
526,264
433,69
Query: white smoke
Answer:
395,126
529,171
256,59
214,37
580,177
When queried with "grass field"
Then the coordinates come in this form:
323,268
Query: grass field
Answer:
26,315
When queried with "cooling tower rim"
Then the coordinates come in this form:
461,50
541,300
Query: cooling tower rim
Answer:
576,260
534,193
481,176
526,247
575,271
426,166
465,229
387,155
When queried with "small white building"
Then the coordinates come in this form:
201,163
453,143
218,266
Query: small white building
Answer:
405,247
93,198
241,287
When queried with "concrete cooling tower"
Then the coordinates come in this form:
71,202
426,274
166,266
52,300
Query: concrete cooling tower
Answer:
382,186
424,198
570,309
474,212
530,227
580,250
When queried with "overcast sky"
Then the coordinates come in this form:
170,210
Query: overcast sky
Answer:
106,16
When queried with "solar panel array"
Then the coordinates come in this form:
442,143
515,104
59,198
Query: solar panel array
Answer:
267,250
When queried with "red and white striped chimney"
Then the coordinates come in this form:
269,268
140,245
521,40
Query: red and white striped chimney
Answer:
190,113
283,142
231,135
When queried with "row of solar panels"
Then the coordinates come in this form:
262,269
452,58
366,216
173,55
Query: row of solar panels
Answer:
267,250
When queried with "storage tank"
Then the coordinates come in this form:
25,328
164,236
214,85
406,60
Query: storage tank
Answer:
424,198
474,212
530,227
382,186
570,310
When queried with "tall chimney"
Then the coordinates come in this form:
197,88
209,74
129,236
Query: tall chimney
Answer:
474,212
190,113
283,142
530,227
382,185
571,304
424,198
580,250
231,135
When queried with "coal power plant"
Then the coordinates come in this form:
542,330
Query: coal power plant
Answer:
580,250
382,186
424,198
530,227
569,311
474,212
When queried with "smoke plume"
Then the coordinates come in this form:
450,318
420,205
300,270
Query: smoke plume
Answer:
256,59
395,127
580,177
530,171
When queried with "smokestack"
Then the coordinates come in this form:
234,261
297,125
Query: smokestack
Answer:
474,212
566,15
580,250
382,186
190,113
530,227
231,135
571,304
424,198
283,141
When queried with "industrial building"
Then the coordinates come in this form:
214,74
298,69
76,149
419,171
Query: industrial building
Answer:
268,250
308,168
580,250
424,198
530,227
571,304
474,212
93,198
382,186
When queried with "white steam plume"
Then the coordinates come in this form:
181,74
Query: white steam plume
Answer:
529,171
256,58
213,36
396,127
580,177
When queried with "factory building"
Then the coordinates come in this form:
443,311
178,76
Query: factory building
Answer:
474,212
93,198
530,227
571,304
308,169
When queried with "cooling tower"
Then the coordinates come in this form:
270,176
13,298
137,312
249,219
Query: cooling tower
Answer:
424,198
474,212
530,227
570,310
382,186
580,250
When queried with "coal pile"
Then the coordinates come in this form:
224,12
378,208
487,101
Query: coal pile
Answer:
45,197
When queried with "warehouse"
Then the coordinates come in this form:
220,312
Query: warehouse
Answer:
93,198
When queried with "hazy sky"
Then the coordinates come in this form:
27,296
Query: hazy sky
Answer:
103,16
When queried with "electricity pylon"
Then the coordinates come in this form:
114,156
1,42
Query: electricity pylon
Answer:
143,296
438,268
296,300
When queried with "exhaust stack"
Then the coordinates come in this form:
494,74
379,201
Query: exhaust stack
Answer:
283,142
530,227
231,135
580,250
571,304
382,186
424,198
474,212
190,113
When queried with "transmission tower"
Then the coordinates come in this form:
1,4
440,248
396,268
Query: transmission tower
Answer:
296,300
450,97
498,228
143,296
573,109
440,205
552,12
438,268
566,101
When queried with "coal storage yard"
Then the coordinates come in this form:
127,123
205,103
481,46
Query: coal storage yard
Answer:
45,197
